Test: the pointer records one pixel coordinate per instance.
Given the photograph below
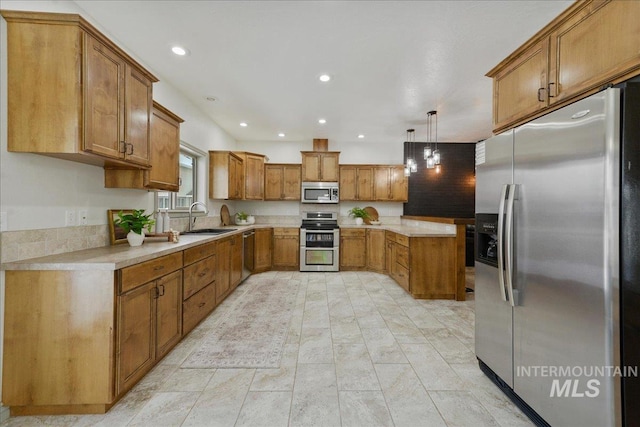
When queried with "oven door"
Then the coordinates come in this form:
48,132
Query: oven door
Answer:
319,259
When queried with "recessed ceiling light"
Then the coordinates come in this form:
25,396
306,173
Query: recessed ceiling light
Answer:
211,98
322,121
243,124
281,135
179,50
325,77
361,136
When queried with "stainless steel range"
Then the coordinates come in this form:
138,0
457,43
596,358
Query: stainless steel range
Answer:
319,242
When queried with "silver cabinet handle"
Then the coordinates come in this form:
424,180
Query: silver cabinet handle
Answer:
513,188
503,196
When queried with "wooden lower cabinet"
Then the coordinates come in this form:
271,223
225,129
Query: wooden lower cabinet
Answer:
149,325
286,248
353,254
262,250
424,266
376,254
229,265
199,290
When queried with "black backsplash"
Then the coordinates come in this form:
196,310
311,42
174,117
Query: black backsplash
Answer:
450,193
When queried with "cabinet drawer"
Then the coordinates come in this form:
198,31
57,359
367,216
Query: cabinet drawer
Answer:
290,231
402,239
136,275
402,276
192,255
199,275
352,232
197,307
402,256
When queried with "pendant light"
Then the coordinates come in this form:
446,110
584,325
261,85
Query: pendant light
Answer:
410,164
432,155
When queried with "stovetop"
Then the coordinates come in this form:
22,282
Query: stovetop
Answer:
320,221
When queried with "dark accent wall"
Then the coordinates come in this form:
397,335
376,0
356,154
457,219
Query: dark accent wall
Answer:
450,193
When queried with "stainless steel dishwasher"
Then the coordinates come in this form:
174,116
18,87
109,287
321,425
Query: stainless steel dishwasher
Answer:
248,241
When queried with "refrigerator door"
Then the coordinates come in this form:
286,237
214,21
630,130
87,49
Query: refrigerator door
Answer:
494,345
565,219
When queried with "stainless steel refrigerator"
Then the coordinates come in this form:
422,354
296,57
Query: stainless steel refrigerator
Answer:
557,264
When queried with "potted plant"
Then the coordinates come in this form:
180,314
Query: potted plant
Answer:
241,218
359,214
134,224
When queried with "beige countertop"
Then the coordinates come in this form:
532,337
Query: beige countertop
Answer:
123,255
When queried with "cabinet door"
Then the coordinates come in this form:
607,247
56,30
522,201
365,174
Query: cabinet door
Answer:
136,335
274,182
382,183
399,186
311,166
236,260
165,151
519,90
376,250
594,47
291,182
138,106
348,183
329,169
236,178
364,183
104,128
254,179
352,249
223,260
389,255
168,312
262,249
286,248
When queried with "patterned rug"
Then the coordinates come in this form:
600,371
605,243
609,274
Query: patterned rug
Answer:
253,333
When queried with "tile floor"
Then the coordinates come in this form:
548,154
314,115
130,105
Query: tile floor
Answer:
360,352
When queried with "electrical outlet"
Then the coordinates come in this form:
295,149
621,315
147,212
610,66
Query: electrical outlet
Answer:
3,221
82,217
70,218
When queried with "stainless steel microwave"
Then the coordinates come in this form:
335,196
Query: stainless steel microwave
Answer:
320,192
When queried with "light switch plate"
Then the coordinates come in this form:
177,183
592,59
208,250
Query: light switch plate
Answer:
3,221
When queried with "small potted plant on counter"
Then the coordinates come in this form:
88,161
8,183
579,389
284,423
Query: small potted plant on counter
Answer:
241,218
359,214
134,224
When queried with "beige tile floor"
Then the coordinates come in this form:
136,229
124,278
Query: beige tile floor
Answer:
360,352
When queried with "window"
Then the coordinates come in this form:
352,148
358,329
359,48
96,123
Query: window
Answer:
188,190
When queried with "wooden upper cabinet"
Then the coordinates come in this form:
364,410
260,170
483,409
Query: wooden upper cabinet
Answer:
598,44
521,88
165,157
320,166
590,45
356,182
225,175
252,175
73,93
282,181
390,184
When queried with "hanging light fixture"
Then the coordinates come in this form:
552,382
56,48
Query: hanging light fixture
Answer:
432,155
410,163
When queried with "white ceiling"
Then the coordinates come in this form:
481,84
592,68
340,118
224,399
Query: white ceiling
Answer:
391,61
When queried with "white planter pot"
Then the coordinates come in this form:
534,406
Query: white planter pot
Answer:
359,221
135,239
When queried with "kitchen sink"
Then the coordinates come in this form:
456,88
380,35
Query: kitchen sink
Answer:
209,231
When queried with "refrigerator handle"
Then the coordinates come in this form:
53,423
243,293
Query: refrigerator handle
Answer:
508,256
503,196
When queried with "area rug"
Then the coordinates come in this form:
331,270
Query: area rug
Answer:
253,333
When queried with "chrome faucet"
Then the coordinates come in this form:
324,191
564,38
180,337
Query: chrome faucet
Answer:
206,211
